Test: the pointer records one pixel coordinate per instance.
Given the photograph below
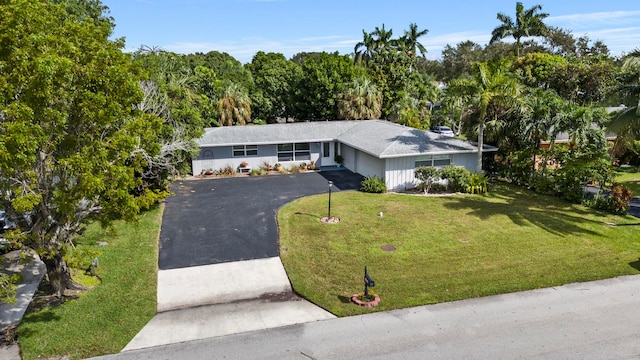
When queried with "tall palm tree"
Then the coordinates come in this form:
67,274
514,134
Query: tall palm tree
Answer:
235,106
361,100
528,23
410,40
365,49
382,39
496,92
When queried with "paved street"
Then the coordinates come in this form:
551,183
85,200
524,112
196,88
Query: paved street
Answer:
594,320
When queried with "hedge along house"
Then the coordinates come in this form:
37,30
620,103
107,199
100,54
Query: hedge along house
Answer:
369,147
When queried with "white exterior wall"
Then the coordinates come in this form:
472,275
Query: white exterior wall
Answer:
368,165
216,158
349,157
399,173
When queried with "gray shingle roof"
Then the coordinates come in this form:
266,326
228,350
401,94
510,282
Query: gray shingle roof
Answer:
382,139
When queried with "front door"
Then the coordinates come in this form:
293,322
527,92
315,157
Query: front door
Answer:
328,153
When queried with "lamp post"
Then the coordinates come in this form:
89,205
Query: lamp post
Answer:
329,212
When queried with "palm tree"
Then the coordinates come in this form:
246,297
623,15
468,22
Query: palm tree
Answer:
361,100
528,23
457,97
382,39
496,92
235,106
365,49
410,40
627,121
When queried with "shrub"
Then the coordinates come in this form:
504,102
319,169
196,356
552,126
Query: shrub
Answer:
477,184
619,199
294,169
427,175
373,184
616,202
457,177
226,171
267,166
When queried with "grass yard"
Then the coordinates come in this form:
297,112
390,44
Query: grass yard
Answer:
105,319
629,177
448,247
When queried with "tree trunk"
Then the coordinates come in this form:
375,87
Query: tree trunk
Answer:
60,276
480,146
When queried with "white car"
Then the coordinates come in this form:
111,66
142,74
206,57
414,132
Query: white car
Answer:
444,130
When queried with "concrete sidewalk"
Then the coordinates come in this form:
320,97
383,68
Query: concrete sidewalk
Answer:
32,274
11,314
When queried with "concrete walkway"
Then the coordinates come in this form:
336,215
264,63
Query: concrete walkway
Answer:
11,314
221,299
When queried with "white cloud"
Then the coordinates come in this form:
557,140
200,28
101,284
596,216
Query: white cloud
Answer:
593,19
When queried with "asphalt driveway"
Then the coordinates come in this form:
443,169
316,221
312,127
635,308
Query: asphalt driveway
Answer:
211,221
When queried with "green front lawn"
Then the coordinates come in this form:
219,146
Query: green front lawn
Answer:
105,319
629,177
448,247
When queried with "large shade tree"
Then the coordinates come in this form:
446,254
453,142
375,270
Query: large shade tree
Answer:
73,140
528,22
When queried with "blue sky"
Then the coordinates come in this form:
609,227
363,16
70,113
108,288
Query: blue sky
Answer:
243,27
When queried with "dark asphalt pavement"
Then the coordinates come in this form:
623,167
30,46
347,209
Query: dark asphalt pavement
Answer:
212,221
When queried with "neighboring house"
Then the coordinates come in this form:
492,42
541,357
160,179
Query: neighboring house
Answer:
369,147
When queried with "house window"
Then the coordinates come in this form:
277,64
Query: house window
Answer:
294,152
245,150
433,160
207,154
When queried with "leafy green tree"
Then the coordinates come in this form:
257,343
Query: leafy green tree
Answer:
73,140
528,22
536,69
88,10
457,60
322,81
560,41
585,81
225,66
274,78
360,100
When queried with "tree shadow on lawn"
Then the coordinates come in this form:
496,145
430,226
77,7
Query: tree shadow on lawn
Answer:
524,210
635,264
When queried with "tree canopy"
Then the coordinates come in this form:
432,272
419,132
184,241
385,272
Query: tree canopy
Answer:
74,143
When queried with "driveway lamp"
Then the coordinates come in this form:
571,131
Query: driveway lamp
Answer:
329,212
